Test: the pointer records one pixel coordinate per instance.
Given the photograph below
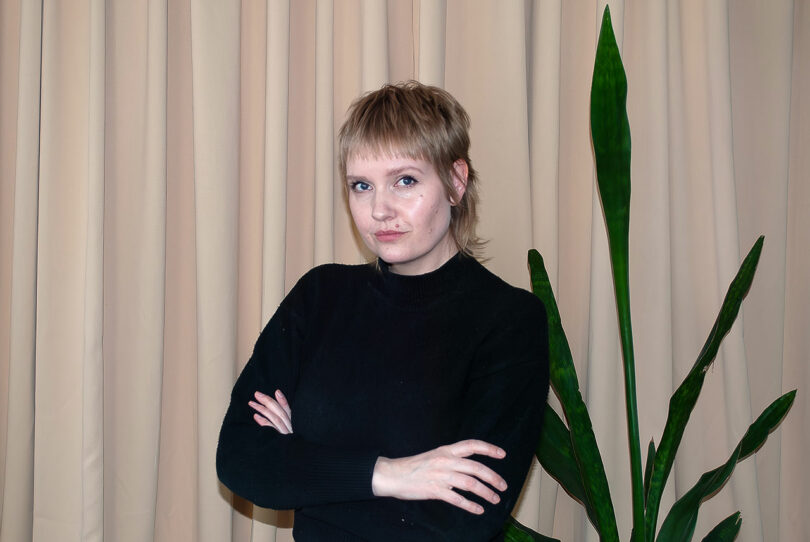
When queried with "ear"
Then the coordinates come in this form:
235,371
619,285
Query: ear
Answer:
460,172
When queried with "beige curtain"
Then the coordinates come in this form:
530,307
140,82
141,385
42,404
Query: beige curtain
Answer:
168,173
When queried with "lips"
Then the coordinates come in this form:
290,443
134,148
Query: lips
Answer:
388,236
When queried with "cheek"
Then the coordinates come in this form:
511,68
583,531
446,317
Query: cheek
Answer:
356,210
439,216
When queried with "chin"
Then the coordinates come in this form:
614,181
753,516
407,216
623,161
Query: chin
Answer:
388,254
391,258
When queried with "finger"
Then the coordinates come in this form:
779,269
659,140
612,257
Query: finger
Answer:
481,472
266,400
273,406
469,447
451,497
278,422
264,422
282,400
473,485
263,417
261,420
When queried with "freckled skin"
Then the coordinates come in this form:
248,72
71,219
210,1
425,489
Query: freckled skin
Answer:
403,195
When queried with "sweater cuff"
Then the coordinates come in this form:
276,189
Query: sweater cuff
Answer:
333,475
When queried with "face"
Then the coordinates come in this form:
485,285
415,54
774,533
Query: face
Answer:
402,211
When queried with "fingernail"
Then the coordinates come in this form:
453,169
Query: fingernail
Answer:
259,394
495,499
479,509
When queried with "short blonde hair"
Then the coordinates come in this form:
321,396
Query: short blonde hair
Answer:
421,122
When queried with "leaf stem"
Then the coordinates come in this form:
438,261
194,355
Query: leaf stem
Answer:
622,289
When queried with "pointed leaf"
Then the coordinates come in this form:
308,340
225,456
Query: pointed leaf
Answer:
726,531
565,384
770,418
514,531
648,467
683,400
556,456
610,131
679,524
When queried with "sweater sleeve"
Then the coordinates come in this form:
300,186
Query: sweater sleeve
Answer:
504,404
283,471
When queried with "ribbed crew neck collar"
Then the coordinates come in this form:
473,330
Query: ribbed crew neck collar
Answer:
417,289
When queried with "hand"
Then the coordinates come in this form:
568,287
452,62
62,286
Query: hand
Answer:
434,474
273,413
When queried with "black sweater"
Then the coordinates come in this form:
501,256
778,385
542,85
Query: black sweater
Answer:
378,364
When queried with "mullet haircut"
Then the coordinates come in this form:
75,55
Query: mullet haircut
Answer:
420,122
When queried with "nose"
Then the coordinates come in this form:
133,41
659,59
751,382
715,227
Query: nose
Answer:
381,208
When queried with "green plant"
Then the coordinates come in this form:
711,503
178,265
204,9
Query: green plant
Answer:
569,453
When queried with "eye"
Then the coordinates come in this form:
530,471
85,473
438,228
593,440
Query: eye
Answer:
407,180
359,186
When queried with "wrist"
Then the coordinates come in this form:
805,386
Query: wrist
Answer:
379,477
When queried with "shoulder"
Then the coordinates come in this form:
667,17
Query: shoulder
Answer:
319,290
333,270
328,283
333,274
503,299
508,326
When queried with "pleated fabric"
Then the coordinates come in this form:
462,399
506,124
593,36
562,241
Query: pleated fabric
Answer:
167,173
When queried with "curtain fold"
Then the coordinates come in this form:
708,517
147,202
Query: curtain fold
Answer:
374,36
134,264
168,173
16,522
176,506
92,475
68,455
794,486
275,151
432,17
325,178
215,58
762,120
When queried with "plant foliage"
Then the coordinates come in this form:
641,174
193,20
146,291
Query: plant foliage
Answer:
568,450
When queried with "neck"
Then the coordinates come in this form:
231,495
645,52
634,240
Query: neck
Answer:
442,256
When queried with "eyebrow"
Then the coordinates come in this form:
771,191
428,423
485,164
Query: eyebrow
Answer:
389,173
398,170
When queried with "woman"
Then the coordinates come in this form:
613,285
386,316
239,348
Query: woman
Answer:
402,400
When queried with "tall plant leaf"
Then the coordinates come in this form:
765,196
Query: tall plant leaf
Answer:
679,524
648,465
683,400
725,531
514,531
556,455
610,131
564,381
